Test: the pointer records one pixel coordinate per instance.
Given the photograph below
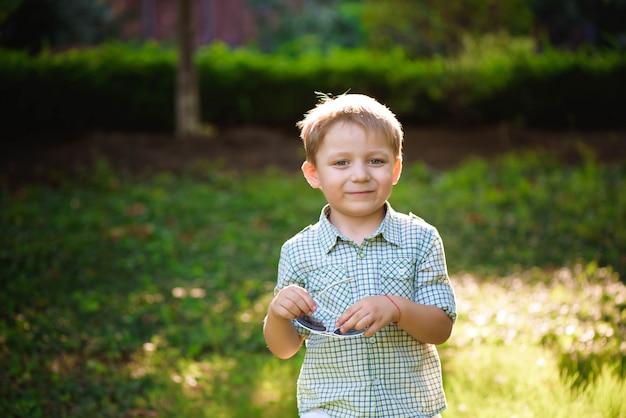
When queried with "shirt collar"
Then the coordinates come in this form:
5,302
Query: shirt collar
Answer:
389,229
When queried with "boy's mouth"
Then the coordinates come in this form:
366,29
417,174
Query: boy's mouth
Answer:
360,193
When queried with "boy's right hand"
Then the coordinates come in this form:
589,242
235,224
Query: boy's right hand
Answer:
291,302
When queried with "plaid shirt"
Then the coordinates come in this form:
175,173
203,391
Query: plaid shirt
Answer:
390,374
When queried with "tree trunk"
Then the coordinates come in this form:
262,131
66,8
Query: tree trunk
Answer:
187,96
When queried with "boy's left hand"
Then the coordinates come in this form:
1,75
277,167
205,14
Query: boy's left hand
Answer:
373,312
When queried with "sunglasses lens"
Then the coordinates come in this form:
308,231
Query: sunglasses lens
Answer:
349,332
311,323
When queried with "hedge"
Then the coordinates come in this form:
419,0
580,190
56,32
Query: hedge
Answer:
131,87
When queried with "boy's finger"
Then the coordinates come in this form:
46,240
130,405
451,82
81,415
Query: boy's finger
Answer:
299,298
305,302
371,331
349,319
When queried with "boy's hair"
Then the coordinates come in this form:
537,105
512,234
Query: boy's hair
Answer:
355,108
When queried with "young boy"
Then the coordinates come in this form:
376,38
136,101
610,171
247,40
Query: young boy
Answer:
366,286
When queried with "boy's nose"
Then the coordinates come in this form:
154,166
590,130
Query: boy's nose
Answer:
360,172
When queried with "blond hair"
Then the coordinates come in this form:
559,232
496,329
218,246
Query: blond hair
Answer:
354,108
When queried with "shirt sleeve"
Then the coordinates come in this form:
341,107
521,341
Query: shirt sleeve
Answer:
285,271
288,275
432,284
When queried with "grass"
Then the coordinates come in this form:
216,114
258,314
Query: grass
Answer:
145,297
538,344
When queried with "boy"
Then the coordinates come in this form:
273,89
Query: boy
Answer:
366,286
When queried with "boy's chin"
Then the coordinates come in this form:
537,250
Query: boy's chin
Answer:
360,209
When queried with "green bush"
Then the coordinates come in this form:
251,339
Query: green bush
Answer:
110,87
526,210
561,90
131,87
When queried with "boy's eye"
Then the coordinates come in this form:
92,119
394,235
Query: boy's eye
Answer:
376,161
341,163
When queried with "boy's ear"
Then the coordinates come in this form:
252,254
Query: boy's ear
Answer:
397,170
310,174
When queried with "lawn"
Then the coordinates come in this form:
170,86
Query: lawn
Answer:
134,297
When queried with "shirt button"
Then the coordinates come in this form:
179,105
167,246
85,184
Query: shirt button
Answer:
361,254
371,340
376,382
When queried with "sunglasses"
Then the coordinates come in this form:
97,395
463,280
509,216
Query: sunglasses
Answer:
316,326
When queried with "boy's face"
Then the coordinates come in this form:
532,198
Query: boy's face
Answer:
356,170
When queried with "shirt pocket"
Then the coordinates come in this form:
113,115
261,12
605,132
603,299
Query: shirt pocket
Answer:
332,288
396,276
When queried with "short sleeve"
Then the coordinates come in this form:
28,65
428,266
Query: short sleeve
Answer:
287,275
432,283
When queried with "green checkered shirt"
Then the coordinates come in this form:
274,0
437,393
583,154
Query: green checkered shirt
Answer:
390,374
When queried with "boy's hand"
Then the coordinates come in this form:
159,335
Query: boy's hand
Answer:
291,302
374,312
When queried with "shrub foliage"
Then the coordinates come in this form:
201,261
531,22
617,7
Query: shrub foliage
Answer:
126,86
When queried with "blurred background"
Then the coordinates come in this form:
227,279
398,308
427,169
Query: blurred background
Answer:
423,28
494,73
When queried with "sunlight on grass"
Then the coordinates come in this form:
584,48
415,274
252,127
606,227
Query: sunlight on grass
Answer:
522,342
275,390
566,310
523,382
235,385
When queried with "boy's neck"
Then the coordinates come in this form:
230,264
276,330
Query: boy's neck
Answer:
357,228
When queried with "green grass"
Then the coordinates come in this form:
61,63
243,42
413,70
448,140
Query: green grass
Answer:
145,297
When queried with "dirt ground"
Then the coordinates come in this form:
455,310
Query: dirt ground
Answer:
252,148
